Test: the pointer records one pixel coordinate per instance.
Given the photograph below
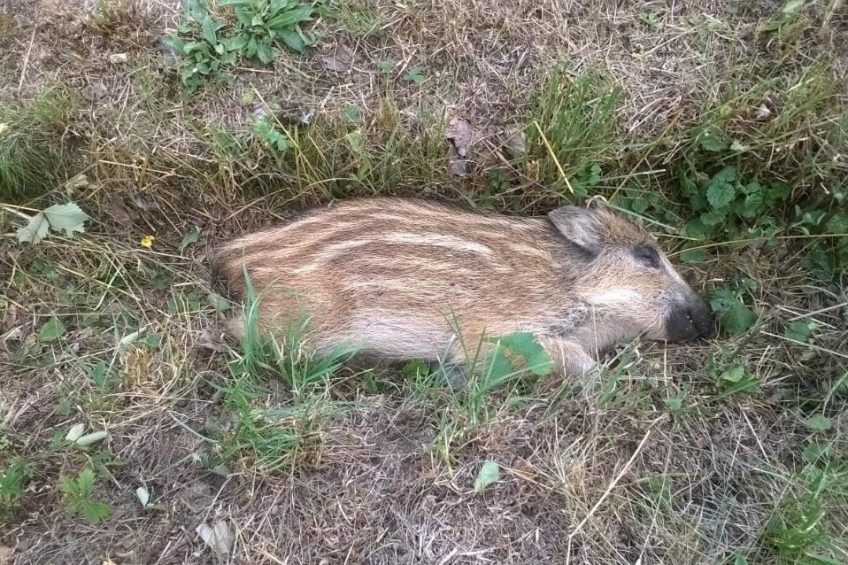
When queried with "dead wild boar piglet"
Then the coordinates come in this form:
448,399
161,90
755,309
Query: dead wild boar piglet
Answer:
409,279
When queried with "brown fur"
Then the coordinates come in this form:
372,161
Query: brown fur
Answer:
398,277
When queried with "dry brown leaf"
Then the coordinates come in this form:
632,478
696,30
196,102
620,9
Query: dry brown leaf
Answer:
458,167
459,133
219,537
119,209
514,143
340,59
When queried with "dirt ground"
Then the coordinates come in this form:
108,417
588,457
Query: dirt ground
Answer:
655,458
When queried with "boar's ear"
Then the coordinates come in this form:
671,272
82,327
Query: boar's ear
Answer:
581,226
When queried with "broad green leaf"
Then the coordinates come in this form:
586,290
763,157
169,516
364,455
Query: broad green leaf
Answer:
675,403
94,511
711,142
489,473
696,229
792,7
218,302
798,331
291,17
386,66
85,482
68,218
819,423
88,439
713,218
52,330
740,560
692,256
721,188
524,344
190,237
414,75
734,374
208,28
34,231
99,374
292,39
265,53
738,319
75,432
751,205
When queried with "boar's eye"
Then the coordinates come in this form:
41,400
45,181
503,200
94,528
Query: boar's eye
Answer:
647,255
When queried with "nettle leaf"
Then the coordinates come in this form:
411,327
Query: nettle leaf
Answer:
799,330
733,315
713,217
489,473
52,330
697,229
68,218
721,189
94,511
34,231
712,142
738,319
819,423
190,237
693,256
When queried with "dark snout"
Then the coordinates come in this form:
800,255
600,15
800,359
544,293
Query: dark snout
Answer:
690,319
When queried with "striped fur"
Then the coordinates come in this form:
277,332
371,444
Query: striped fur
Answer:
397,278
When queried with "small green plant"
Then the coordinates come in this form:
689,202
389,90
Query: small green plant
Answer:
203,53
799,531
12,478
263,23
78,499
571,129
728,304
67,218
267,132
279,437
36,150
510,359
724,204
208,46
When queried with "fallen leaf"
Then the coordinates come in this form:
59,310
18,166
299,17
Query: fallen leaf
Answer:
489,473
458,167
764,114
119,208
218,537
88,439
340,59
514,144
190,237
118,58
75,432
459,133
68,218
76,182
34,231
143,496
212,341
52,330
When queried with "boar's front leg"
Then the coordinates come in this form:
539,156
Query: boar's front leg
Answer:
569,357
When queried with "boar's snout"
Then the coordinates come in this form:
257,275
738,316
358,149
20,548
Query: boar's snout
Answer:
689,319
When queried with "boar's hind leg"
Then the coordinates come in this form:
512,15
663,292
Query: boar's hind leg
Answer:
569,358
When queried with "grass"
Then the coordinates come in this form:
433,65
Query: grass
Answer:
721,128
35,143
